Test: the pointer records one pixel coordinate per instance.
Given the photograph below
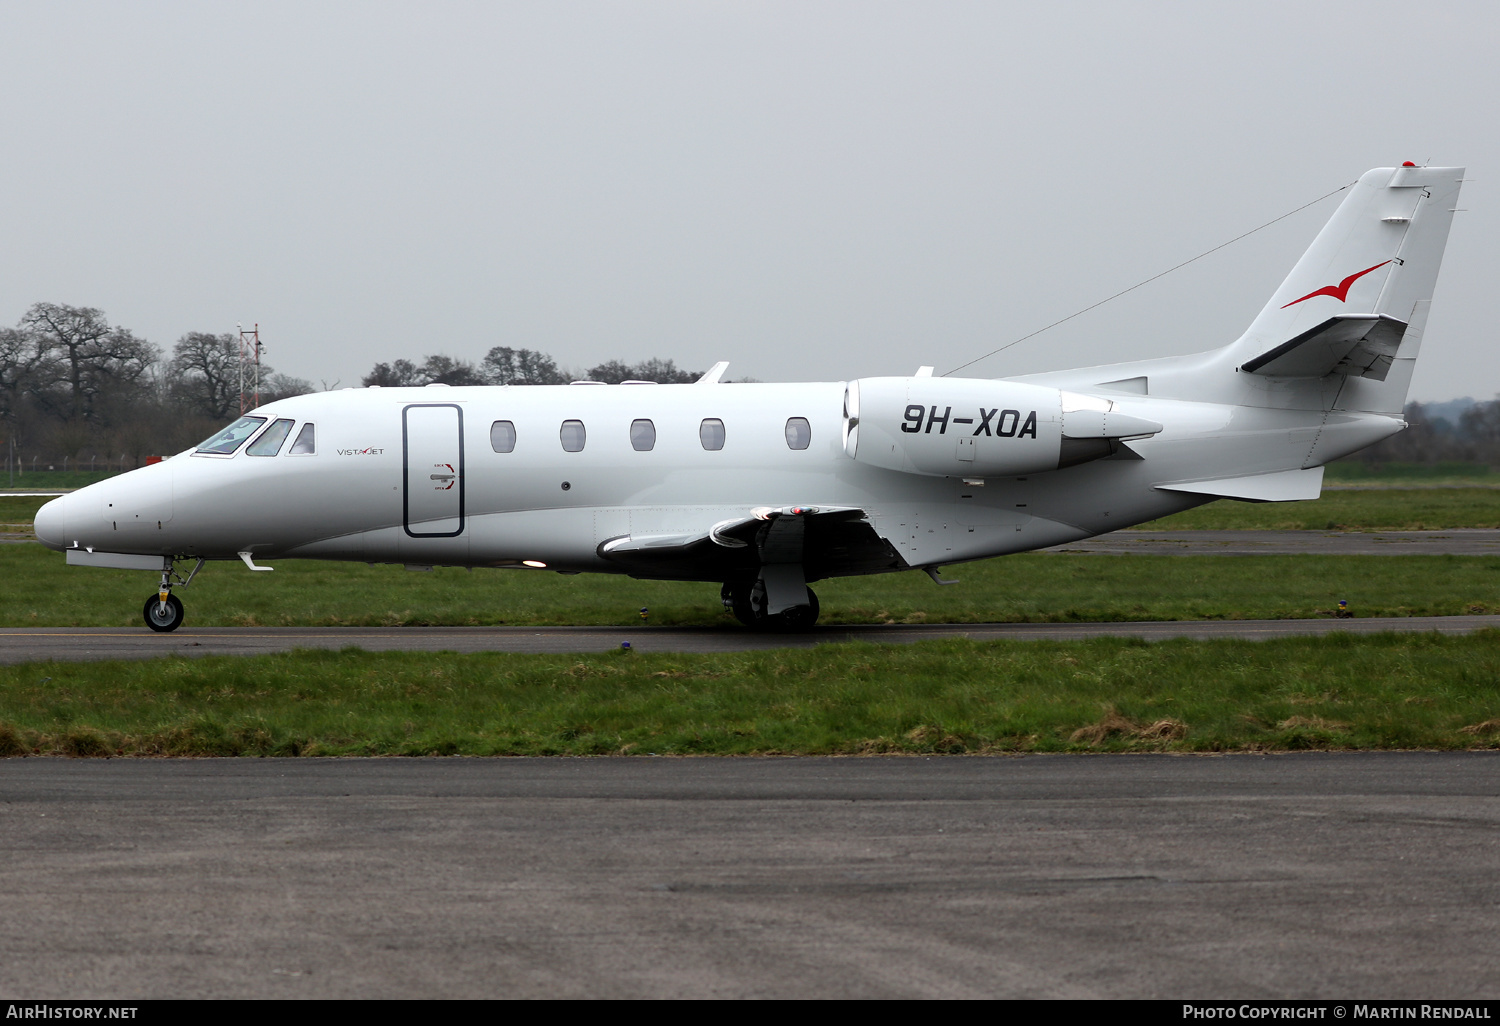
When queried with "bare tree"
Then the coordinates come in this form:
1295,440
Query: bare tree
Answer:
79,356
205,374
445,370
283,386
506,366
15,353
663,372
394,375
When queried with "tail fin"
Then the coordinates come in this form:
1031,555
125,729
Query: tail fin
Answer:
1357,301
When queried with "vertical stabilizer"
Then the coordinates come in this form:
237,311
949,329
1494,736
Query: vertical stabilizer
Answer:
1377,256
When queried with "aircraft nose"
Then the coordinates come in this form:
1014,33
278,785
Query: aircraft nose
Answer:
51,524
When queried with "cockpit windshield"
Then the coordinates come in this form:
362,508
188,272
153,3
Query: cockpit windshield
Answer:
232,437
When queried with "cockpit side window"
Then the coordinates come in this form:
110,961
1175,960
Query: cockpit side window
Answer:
232,437
269,442
306,443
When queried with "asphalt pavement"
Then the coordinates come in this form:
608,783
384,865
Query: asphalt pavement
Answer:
1249,877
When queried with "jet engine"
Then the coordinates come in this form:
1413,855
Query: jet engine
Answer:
975,428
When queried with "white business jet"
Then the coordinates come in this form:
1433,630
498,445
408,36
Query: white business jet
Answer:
763,488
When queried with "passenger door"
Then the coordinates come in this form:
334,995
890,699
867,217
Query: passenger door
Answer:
432,437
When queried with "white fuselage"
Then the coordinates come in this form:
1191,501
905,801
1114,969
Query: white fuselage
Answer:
376,489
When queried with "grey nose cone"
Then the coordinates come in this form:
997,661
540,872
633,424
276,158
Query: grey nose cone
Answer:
51,525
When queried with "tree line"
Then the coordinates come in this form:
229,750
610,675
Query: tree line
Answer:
76,389
503,365
1473,438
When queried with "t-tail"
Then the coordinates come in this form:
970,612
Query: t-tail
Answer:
1351,313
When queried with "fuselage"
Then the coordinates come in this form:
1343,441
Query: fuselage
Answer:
413,476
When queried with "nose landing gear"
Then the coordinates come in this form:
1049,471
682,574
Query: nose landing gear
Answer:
163,611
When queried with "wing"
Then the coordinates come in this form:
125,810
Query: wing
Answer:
827,541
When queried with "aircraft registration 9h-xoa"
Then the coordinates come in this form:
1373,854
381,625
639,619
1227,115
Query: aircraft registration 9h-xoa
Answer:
763,488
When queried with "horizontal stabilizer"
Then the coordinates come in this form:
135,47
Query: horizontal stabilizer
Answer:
1359,345
1282,486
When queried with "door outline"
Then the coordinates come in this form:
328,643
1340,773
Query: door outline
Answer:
406,472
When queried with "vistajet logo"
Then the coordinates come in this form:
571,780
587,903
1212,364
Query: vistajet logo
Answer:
1341,290
372,451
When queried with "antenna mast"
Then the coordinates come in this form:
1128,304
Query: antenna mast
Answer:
250,349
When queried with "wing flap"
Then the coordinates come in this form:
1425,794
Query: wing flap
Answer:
827,541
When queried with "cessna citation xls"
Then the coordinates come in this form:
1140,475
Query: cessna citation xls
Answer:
766,487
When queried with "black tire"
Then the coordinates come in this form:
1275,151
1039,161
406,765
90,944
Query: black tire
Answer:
798,618
153,614
737,600
748,604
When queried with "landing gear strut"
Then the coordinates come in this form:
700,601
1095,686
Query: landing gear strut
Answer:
748,604
163,611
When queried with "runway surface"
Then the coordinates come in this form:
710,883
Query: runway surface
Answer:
72,644
1294,876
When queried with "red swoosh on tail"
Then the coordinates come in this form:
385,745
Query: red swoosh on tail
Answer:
1341,290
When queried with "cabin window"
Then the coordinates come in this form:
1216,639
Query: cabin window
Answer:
269,442
306,443
572,435
711,434
232,437
503,436
642,435
798,433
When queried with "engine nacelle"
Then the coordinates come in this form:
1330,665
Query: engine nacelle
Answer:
975,428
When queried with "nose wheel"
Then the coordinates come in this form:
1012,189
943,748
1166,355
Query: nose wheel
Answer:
163,614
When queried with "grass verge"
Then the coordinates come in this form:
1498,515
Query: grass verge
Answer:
1383,509
1025,588
1107,694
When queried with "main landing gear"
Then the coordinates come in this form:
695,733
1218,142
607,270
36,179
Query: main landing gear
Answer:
163,611
748,604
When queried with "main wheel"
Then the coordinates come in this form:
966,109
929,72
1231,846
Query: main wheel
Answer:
748,604
797,618
163,620
736,598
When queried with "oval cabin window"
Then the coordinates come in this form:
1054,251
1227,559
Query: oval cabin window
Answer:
711,434
642,435
503,436
798,433
572,435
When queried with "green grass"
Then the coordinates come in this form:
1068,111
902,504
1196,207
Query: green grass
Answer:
1338,692
52,480
1357,472
1386,509
1032,587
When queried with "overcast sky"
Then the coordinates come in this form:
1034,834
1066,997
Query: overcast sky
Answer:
812,190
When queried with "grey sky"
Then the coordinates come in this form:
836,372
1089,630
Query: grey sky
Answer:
810,190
